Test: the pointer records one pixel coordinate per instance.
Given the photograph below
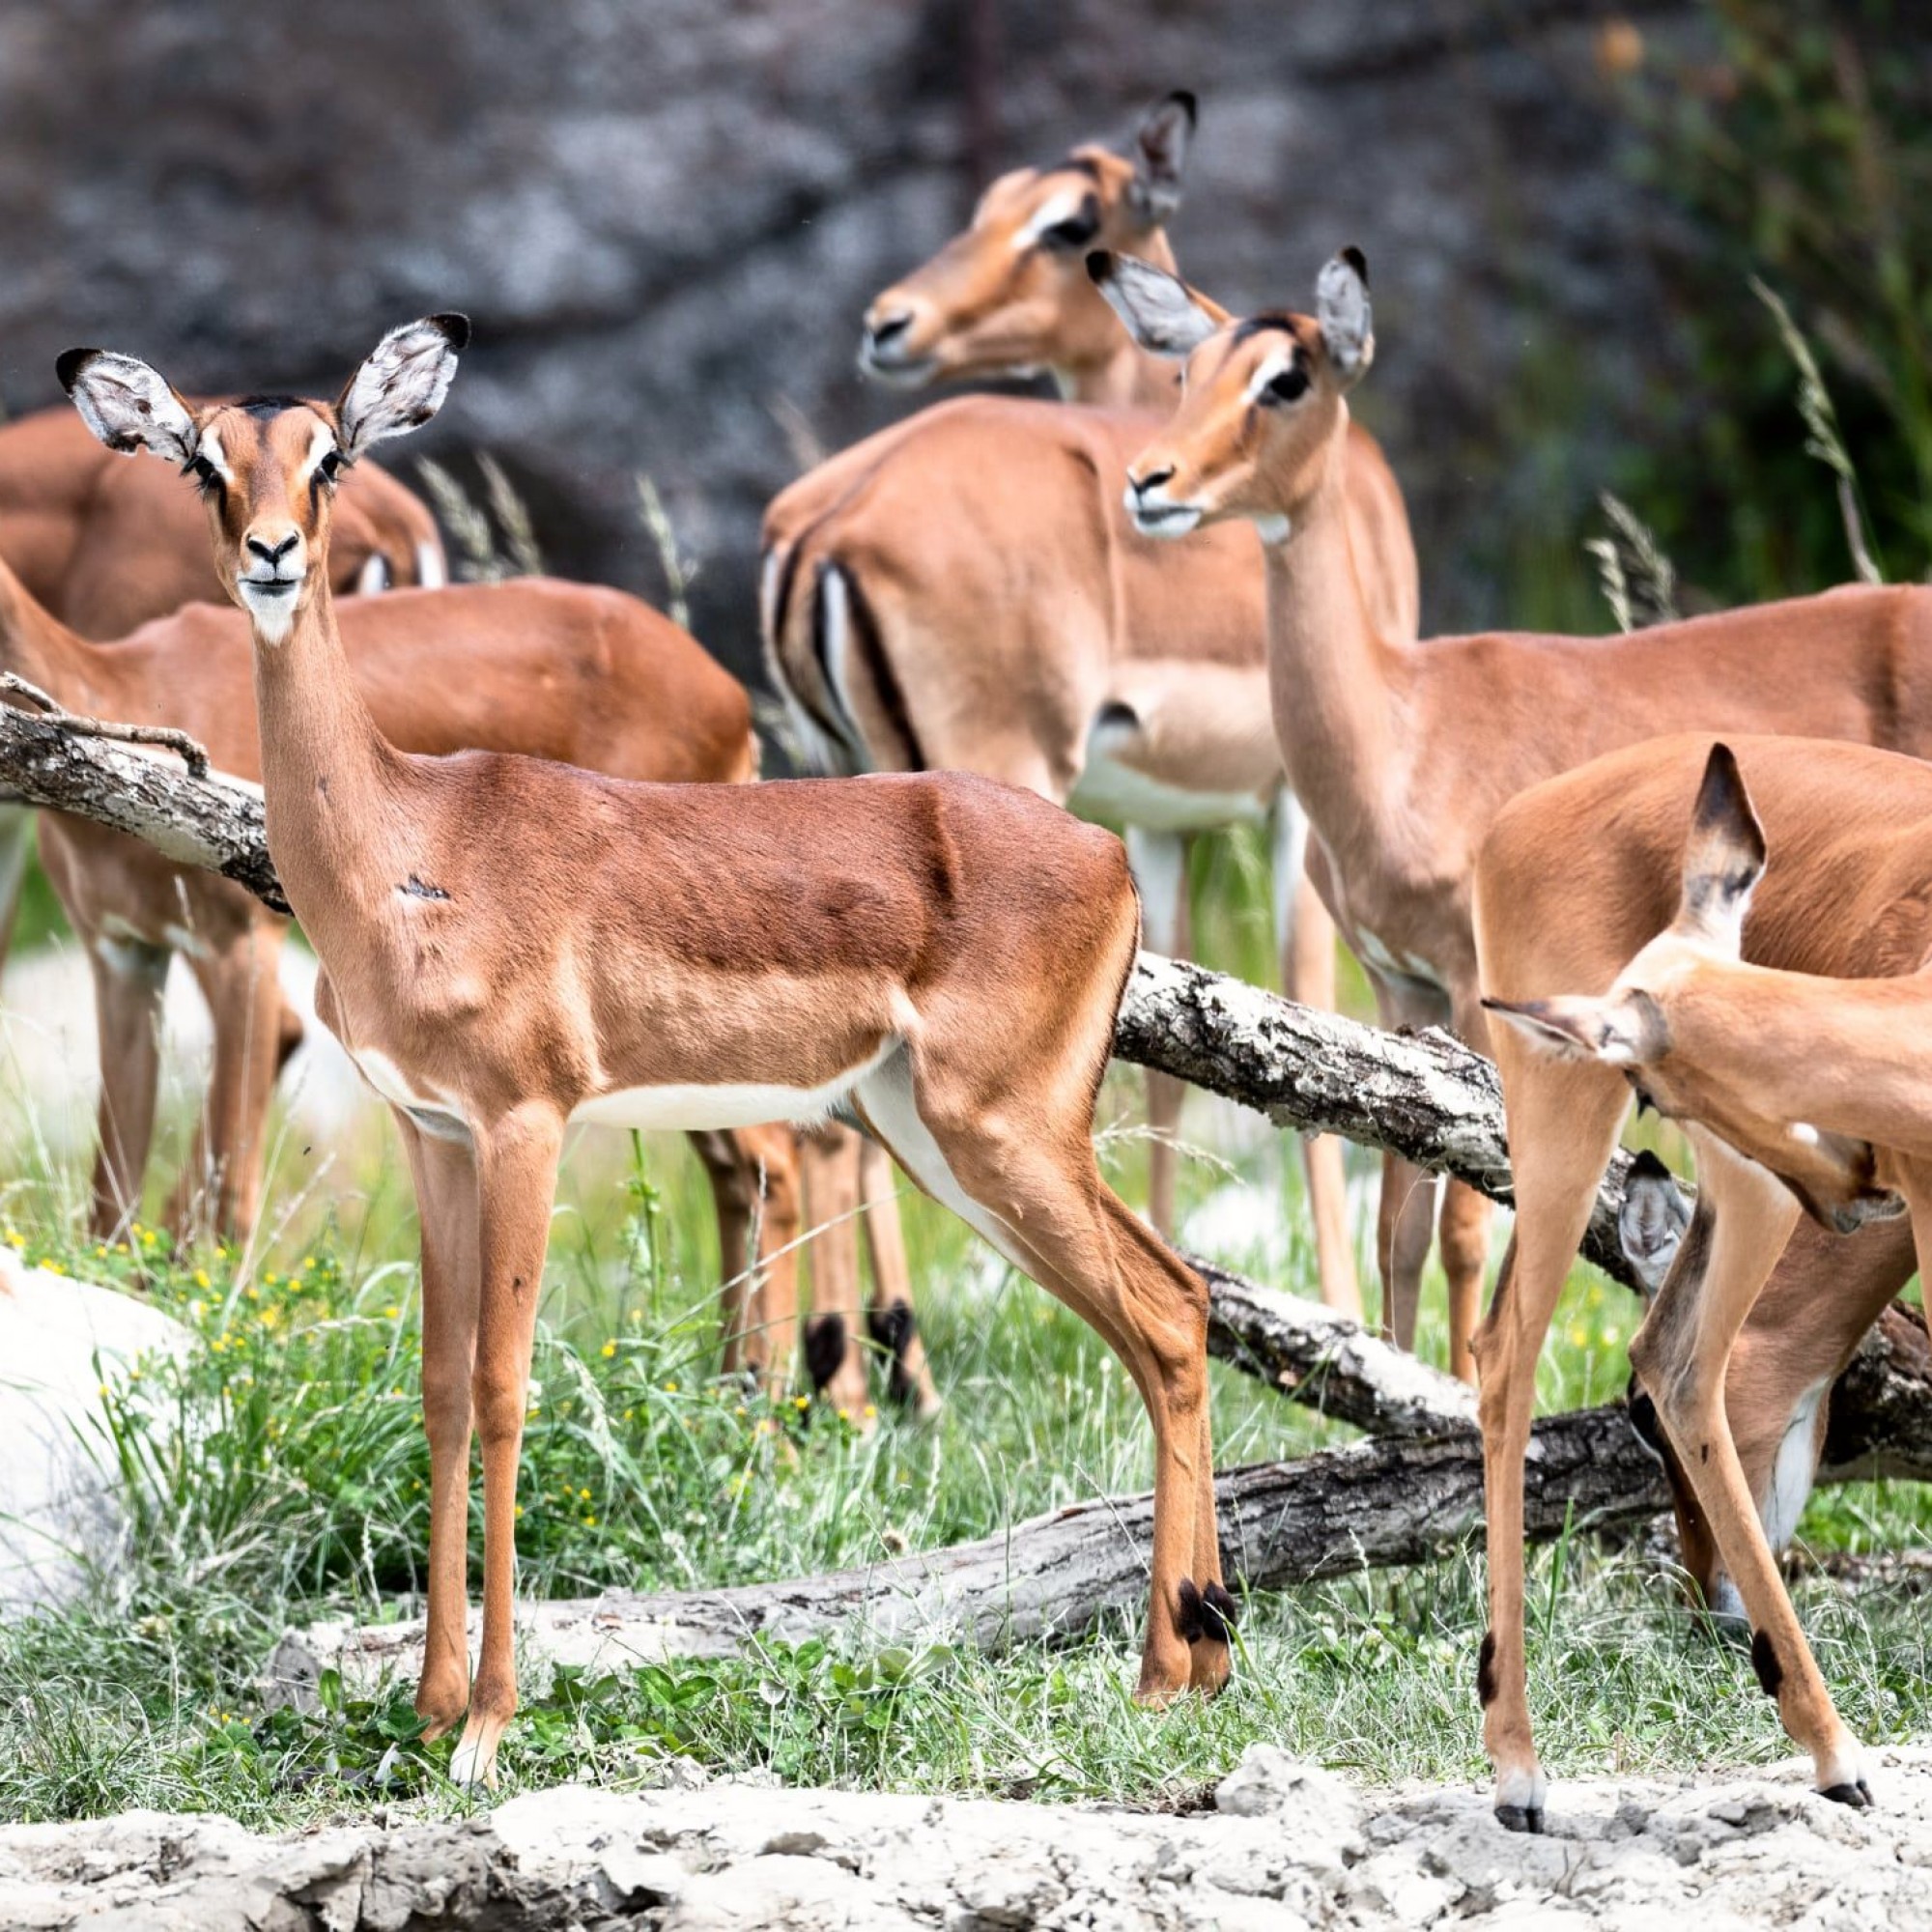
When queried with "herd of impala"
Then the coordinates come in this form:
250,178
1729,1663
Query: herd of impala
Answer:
520,827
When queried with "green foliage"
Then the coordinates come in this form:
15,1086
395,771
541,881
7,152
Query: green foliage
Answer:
1796,155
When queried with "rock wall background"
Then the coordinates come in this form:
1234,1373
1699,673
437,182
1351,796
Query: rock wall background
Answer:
667,217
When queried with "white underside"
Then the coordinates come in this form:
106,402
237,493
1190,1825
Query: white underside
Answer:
1792,1472
1110,789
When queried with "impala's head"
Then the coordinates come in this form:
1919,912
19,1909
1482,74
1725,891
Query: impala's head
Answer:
1008,295
267,466
1679,1022
1261,400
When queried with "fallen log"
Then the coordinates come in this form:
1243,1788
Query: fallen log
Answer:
1372,1505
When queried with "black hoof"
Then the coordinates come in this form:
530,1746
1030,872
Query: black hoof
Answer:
1857,1795
1527,1818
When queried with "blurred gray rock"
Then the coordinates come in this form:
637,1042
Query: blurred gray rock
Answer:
665,218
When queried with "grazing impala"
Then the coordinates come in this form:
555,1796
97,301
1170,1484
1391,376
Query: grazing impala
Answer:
1587,890
508,945
561,670
106,546
962,591
1403,754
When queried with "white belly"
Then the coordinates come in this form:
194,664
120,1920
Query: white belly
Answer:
728,1104
1109,789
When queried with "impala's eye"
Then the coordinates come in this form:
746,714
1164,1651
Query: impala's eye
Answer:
330,468
207,478
1291,385
1074,232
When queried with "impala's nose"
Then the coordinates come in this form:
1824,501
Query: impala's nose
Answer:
1153,510
891,349
1152,480
273,549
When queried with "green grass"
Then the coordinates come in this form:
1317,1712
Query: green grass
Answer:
280,1475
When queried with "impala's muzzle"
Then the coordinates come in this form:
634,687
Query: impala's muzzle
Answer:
892,348
1153,510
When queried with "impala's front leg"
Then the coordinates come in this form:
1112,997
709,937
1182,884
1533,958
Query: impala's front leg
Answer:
516,1174
1742,1220
129,982
444,1173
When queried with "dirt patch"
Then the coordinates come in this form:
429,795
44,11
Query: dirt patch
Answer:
1287,1845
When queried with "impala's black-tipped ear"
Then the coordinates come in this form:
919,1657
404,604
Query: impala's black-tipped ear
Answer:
1725,856
403,383
1161,312
127,404
1620,1030
1342,308
1160,156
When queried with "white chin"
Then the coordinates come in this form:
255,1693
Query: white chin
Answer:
1166,523
902,376
273,616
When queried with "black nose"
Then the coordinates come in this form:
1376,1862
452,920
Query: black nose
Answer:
274,553
1153,480
894,324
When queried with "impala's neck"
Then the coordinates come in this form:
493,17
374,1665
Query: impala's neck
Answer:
1338,683
332,783
36,645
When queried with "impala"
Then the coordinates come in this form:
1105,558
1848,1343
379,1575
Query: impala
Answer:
561,670
1801,1080
1403,754
507,944
963,592
107,546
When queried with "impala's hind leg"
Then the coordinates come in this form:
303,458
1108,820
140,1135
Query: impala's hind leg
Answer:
834,1348
1040,1200
1563,1122
1159,861
755,1183
891,1321
1740,1223
129,981
445,1174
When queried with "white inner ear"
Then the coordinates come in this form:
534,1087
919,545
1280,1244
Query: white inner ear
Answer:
1271,366
215,457
1061,208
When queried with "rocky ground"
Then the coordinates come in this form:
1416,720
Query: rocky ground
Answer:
1282,1845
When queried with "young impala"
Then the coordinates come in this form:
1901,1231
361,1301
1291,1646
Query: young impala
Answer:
1403,754
106,546
962,591
509,944
1806,1066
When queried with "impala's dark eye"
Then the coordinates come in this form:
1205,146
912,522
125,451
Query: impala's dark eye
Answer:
1288,387
207,478
330,468
1077,231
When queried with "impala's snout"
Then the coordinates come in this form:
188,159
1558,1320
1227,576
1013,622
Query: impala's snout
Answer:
892,347
1151,505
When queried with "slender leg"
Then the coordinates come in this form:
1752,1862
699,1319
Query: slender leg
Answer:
1563,1122
1681,1353
1305,941
516,1174
16,842
242,988
128,981
1463,1230
1159,862
892,1322
1407,1212
445,1174
834,1345
755,1181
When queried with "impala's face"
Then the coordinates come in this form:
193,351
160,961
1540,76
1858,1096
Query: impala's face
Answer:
1011,295
268,465
266,469
1259,409
1261,401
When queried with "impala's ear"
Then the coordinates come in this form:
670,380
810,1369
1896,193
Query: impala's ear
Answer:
1620,1030
1160,158
1650,1222
1723,857
127,404
1161,312
1342,308
403,383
